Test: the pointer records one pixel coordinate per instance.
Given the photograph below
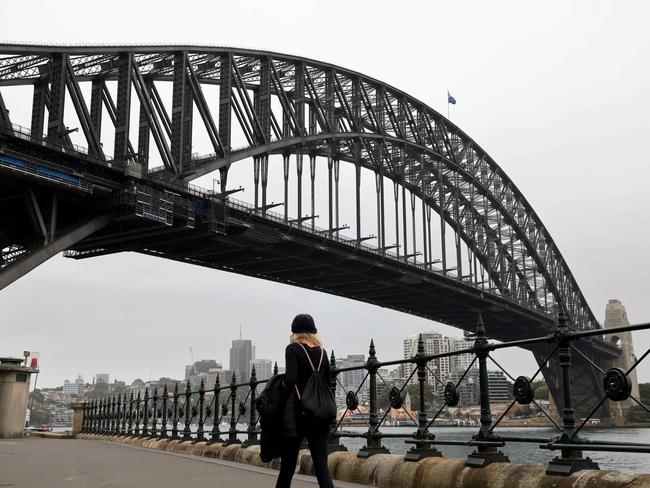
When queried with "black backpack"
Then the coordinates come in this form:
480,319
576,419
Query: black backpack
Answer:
317,399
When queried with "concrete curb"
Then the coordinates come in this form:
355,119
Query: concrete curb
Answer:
52,435
391,471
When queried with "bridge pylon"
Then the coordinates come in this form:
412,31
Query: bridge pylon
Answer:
616,316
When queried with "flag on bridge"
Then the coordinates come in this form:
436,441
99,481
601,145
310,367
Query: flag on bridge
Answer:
450,99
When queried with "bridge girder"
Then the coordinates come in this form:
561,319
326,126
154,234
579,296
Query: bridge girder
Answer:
324,111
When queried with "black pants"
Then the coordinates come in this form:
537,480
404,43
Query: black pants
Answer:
317,441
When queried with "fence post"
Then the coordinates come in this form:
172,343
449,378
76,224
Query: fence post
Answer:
422,449
373,436
111,414
94,426
138,415
199,431
88,417
107,427
91,416
145,418
232,432
215,434
334,444
570,460
187,431
484,454
154,413
163,426
98,417
118,415
175,413
252,419
125,415
129,430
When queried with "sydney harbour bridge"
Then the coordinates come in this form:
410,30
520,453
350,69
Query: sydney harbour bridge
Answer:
382,199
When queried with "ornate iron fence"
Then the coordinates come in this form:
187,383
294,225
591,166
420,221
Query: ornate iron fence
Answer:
185,414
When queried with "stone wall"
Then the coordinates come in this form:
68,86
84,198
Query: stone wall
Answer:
391,471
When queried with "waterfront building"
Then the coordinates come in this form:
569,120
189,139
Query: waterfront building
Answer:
76,388
500,387
436,343
352,380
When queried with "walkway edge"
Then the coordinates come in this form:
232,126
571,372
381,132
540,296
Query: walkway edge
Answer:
391,471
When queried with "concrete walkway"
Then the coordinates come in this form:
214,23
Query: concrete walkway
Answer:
53,463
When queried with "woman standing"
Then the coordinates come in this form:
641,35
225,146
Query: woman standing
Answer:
304,355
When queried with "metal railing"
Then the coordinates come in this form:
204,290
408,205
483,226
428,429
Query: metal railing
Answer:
184,414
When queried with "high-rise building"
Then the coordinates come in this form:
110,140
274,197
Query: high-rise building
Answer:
351,380
102,378
436,343
500,387
263,368
241,355
462,361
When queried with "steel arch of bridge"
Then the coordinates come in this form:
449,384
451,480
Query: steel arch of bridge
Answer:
299,107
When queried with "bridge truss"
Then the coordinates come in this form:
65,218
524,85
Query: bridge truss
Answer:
489,238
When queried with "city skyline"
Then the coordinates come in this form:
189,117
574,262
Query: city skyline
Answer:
452,343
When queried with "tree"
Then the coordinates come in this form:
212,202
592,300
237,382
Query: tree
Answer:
98,390
39,415
542,393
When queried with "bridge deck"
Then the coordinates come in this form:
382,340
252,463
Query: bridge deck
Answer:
53,463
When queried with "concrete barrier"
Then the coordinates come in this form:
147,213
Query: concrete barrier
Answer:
391,471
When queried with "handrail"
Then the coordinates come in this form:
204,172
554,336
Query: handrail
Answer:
181,410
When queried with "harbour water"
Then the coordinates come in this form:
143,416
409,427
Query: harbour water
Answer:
526,453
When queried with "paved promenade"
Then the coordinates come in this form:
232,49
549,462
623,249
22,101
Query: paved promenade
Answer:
54,463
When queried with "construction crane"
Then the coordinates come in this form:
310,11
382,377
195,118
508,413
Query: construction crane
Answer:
193,362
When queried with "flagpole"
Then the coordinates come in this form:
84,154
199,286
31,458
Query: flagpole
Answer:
448,104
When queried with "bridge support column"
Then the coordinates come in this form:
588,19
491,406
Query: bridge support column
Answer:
38,108
330,203
616,316
299,185
396,195
4,113
285,167
264,168
24,265
336,195
312,175
256,179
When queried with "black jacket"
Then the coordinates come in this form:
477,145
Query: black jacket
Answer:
271,407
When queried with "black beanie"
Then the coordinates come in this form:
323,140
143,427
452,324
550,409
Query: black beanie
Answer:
303,323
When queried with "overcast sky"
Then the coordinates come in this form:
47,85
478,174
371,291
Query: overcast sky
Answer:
557,95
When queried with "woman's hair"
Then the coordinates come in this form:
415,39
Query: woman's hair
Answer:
305,338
